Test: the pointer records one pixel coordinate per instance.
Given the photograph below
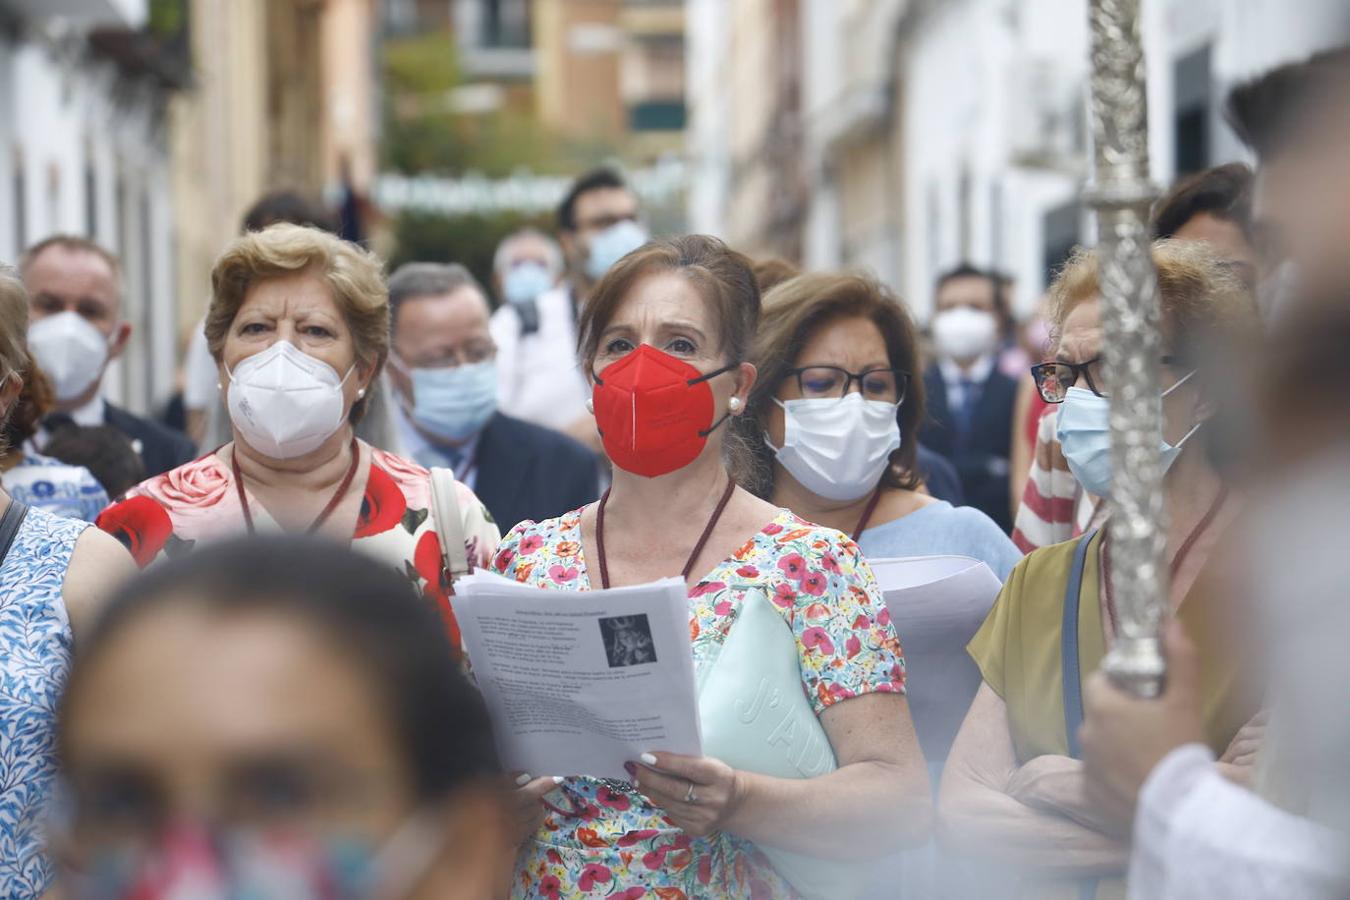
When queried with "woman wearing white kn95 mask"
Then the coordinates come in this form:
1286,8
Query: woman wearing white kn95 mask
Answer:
835,415
299,328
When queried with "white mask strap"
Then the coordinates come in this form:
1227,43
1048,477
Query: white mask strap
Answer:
1185,378
1181,443
1179,382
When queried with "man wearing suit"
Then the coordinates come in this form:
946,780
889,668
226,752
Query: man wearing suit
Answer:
970,403
76,328
443,370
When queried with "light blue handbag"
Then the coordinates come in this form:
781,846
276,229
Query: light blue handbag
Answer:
755,716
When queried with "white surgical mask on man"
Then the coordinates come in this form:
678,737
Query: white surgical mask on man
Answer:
963,333
837,448
69,351
284,402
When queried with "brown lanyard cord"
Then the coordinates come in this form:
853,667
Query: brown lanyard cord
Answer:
327,510
693,557
870,508
1186,546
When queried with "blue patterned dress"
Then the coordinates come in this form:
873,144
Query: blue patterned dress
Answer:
35,641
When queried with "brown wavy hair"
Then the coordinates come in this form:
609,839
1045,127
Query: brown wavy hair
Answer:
35,398
794,312
721,276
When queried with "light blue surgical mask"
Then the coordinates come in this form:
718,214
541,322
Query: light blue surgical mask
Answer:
454,403
611,245
1084,433
526,281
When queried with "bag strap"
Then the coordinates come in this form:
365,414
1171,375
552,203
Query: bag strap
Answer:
1069,665
10,522
449,524
1071,670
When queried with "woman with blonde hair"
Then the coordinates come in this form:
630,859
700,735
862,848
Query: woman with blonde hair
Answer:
54,574
299,328
1012,795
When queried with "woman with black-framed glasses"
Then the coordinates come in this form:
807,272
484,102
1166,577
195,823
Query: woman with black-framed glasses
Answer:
1012,797
835,416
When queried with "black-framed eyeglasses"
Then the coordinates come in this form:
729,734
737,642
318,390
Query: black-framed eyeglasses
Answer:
1053,379
833,382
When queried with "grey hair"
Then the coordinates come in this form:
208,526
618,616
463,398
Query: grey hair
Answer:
423,279
555,257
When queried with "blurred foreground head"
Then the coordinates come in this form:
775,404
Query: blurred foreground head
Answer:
276,718
1297,120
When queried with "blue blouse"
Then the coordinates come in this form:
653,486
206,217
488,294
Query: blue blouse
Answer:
940,529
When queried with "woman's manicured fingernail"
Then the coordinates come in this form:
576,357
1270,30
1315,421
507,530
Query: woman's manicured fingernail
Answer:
630,768
648,759
522,779
557,779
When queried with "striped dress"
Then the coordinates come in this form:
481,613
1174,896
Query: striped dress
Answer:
1054,506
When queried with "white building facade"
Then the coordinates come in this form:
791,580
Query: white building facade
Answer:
944,131
83,151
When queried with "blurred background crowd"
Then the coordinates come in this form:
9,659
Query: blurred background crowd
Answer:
278,265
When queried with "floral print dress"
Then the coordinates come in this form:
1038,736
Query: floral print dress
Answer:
617,844
171,513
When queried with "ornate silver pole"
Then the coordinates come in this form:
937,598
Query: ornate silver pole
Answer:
1120,195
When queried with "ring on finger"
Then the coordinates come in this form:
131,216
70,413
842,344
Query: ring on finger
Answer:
689,796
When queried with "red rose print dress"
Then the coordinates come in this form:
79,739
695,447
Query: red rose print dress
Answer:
171,513
612,842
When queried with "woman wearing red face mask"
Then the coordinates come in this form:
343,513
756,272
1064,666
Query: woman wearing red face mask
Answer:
664,338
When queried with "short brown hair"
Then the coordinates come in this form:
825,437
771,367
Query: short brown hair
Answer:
796,311
352,274
1224,192
720,275
1199,298
772,271
75,244
70,242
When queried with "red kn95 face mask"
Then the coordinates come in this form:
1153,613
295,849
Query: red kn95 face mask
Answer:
654,412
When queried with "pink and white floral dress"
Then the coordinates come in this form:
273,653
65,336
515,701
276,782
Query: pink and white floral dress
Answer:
171,513
614,843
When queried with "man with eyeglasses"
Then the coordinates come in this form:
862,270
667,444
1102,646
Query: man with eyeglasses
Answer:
444,371
598,224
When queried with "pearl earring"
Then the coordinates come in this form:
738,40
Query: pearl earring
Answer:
361,394
734,404
590,407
